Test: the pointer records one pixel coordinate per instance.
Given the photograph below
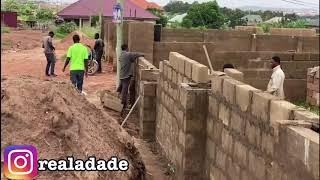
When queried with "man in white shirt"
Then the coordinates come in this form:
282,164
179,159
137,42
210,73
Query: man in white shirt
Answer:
275,86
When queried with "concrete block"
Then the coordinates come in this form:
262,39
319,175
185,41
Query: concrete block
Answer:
216,84
217,131
174,77
161,66
267,144
238,75
237,123
302,114
199,73
224,114
149,75
221,159
211,147
227,141
188,67
111,103
253,134
274,172
173,59
244,95
169,75
213,107
240,154
165,68
233,170
148,88
229,89
260,106
181,65
313,160
281,110
257,165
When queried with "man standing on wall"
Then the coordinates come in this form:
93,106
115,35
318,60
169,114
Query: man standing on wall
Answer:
275,86
49,53
126,59
78,55
98,48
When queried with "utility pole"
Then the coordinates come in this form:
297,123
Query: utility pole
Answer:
101,16
119,41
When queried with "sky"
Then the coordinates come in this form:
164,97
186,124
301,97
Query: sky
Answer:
310,4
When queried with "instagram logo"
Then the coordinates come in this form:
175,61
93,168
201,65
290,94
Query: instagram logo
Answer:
20,162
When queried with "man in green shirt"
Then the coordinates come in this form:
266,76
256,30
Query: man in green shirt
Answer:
78,57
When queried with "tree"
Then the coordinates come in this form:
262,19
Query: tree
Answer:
233,17
163,20
44,14
10,5
206,15
177,7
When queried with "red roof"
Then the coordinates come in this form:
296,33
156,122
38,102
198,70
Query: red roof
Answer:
145,4
86,8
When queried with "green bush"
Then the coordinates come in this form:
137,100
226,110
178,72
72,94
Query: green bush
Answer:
5,29
66,27
90,31
307,106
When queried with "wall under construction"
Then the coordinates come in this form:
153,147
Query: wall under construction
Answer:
225,128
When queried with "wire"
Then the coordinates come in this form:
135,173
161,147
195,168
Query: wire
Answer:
301,4
305,2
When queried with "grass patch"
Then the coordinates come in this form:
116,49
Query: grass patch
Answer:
60,35
303,104
90,31
5,29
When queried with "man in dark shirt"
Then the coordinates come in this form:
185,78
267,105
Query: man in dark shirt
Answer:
98,48
126,59
49,53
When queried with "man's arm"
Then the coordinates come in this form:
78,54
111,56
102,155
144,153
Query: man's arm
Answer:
134,56
276,82
66,64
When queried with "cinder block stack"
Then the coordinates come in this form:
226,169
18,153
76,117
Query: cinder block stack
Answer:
313,86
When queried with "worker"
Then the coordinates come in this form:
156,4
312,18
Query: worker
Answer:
49,53
77,55
225,66
275,85
126,59
98,48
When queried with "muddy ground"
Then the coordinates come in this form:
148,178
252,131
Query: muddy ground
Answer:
23,64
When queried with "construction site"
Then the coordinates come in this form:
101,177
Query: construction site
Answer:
192,120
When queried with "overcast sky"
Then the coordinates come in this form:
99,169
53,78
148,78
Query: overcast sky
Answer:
310,4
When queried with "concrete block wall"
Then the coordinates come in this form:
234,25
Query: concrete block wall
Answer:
293,31
313,87
140,38
229,130
179,125
254,65
239,40
247,139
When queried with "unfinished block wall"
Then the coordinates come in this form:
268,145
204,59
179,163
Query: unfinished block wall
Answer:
254,65
247,139
313,86
227,129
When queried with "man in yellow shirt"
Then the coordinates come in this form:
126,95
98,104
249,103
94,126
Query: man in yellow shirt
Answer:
78,57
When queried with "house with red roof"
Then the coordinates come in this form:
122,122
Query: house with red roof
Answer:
147,5
81,11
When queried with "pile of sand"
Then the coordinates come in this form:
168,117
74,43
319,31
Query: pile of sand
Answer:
66,42
59,122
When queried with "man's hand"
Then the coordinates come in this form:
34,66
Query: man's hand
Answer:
86,74
63,69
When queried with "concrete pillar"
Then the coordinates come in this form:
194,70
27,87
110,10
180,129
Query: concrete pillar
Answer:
195,104
147,110
80,23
